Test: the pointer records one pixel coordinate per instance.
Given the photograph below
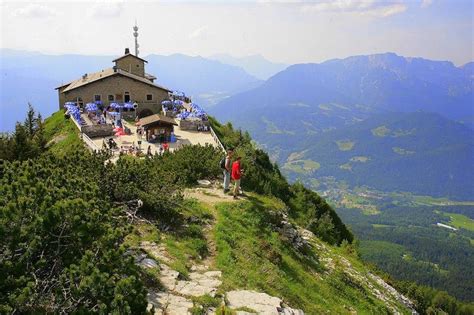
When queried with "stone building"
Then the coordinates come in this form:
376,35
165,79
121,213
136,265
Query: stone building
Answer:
127,81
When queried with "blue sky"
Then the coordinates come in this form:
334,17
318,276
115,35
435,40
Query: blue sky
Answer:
283,31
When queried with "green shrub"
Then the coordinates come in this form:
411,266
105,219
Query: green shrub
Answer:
60,240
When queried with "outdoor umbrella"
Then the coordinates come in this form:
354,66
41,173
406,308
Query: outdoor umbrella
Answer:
91,107
128,105
116,106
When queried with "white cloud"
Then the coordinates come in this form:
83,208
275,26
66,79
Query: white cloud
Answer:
106,9
426,3
35,10
367,7
198,33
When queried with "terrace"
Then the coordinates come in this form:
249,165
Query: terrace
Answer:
152,134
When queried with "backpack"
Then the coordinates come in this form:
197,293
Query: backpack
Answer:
222,163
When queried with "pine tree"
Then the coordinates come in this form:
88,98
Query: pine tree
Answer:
39,137
30,121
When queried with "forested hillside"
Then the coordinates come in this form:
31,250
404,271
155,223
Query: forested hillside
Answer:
419,152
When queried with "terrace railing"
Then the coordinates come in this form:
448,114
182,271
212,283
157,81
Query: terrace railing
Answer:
217,140
89,142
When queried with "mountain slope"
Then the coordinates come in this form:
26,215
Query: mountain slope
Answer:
188,251
256,65
206,80
293,110
384,82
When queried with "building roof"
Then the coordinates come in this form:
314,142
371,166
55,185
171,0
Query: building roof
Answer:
150,76
126,55
156,118
97,76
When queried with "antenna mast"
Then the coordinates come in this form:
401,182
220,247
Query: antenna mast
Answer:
135,34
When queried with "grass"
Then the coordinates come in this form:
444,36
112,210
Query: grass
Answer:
460,221
142,232
203,303
62,134
302,166
253,256
345,145
361,203
432,201
189,245
380,131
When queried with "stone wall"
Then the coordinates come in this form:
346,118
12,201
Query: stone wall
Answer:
192,124
131,64
95,131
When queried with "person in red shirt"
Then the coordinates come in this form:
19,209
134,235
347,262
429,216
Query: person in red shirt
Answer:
236,175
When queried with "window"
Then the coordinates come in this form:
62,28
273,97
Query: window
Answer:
97,98
149,97
127,97
111,98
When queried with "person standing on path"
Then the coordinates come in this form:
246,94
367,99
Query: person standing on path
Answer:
236,176
227,169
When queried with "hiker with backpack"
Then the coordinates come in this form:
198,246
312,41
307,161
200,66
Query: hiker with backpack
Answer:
225,164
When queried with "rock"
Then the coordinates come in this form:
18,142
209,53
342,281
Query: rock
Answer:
200,284
204,183
168,277
148,263
291,233
260,302
289,311
157,251
306,234
169,304
392,291
199,268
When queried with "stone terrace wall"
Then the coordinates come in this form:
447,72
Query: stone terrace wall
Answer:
95,131
192,124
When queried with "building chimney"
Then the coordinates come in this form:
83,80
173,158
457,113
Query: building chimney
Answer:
127,51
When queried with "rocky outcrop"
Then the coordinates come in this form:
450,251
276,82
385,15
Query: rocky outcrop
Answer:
260,303
289,231
176,298
167,303
392,291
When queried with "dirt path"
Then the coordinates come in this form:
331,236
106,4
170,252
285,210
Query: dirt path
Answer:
210,196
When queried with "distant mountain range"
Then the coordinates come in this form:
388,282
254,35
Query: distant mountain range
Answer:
32,77
296,109
256,65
